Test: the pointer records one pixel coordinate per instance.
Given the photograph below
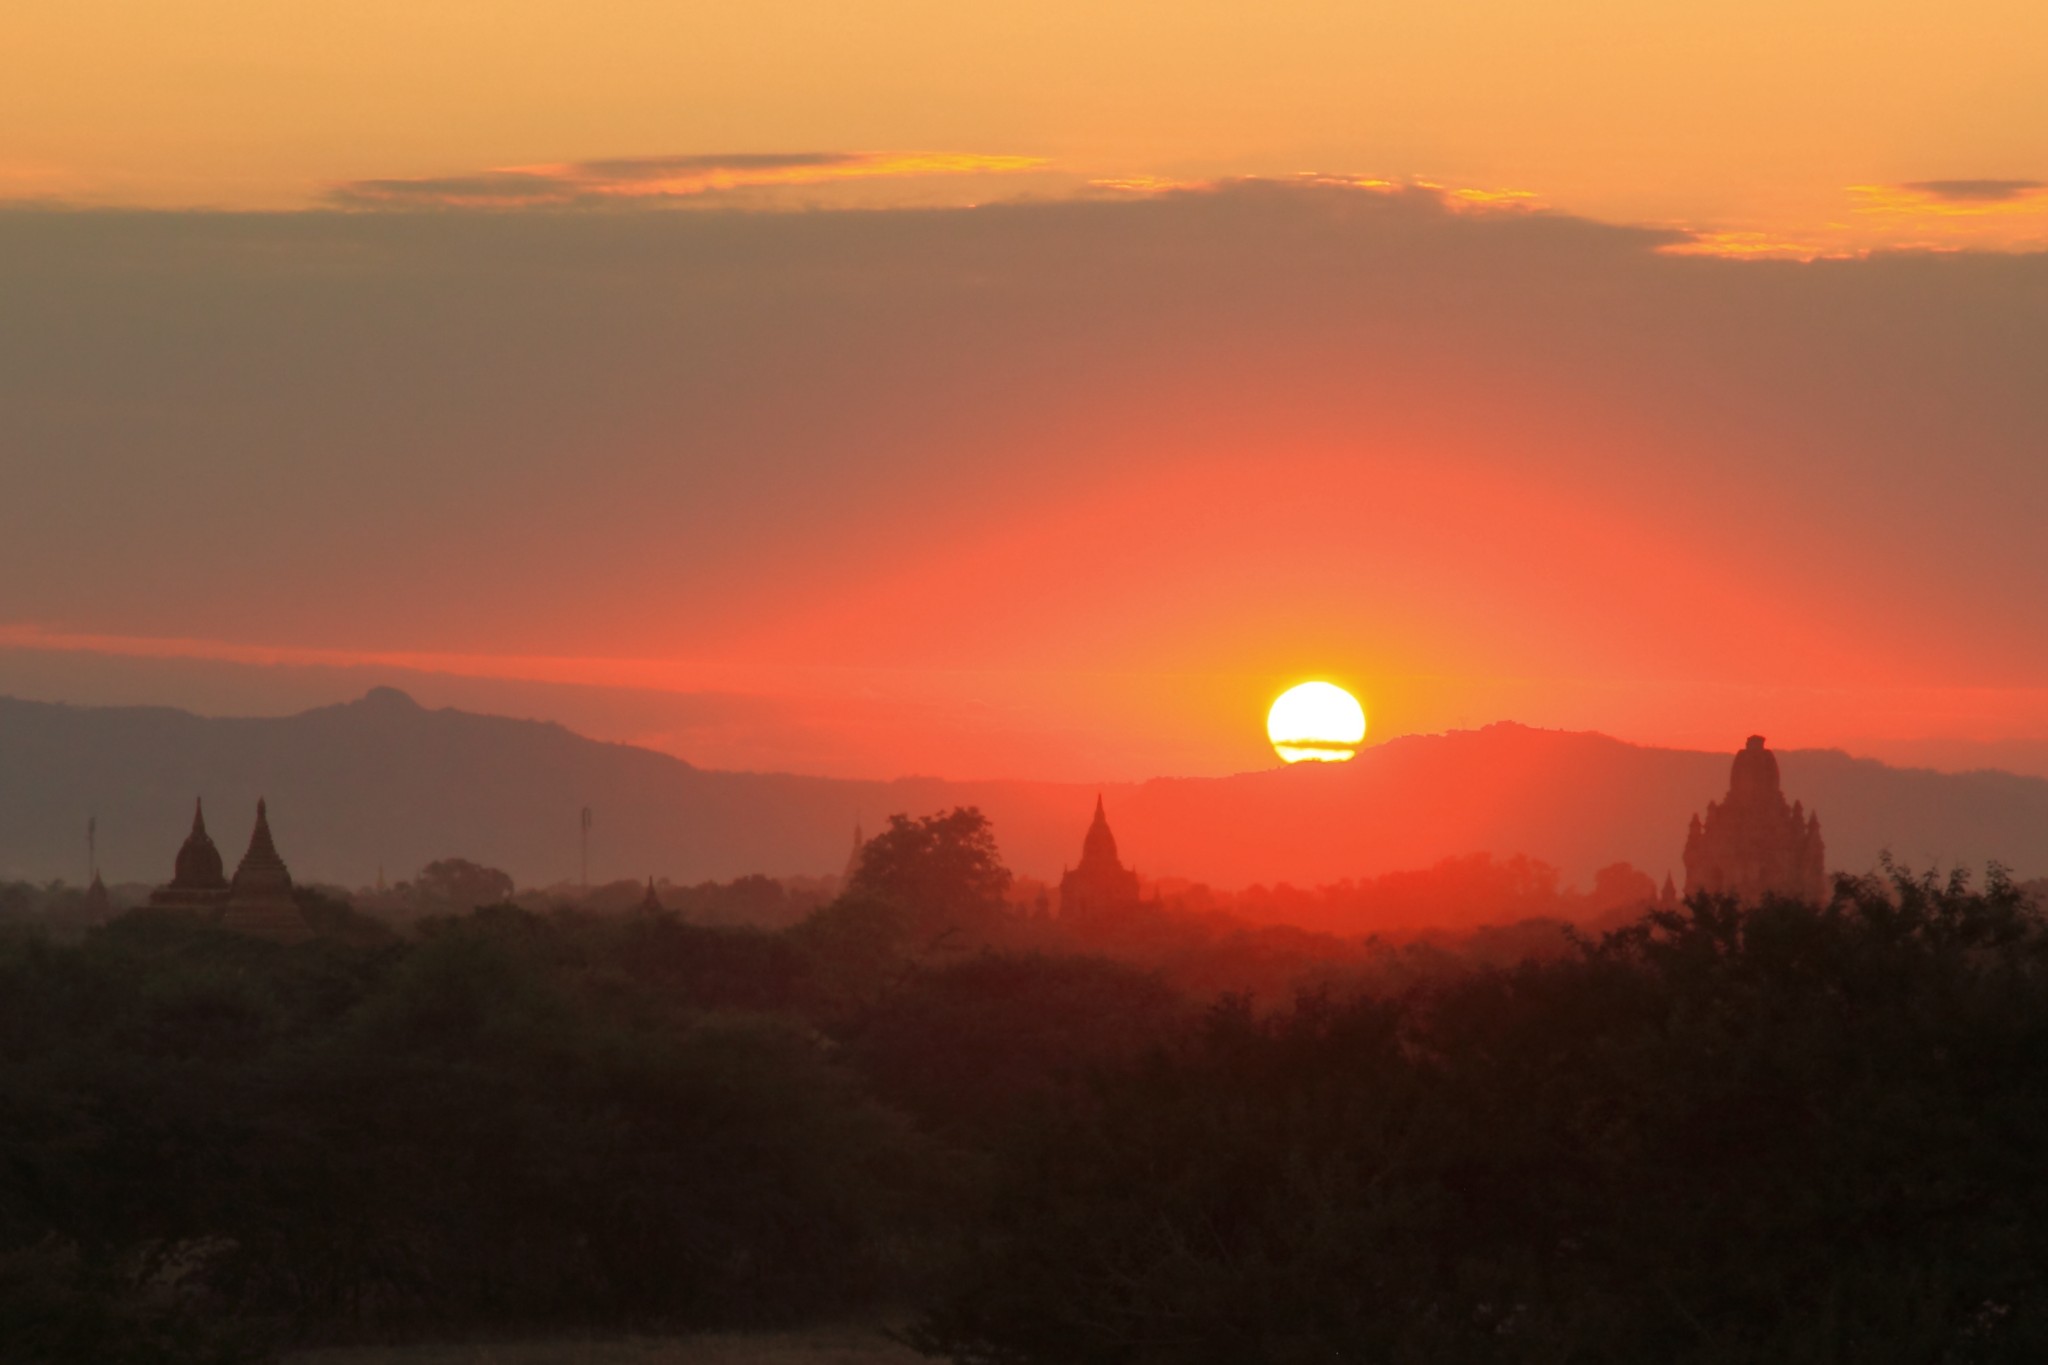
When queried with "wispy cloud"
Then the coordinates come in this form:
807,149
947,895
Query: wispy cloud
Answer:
1975,191
1912,215
1149,184
655,179
1745,244
1953,198
1457,198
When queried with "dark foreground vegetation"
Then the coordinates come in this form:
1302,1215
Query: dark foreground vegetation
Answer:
1791,1133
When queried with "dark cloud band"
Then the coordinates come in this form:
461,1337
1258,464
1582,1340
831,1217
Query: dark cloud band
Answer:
1975,191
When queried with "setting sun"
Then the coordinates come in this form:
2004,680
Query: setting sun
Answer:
1316,721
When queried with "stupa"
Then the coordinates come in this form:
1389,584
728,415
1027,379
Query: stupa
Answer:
197,882
1100,884
259,900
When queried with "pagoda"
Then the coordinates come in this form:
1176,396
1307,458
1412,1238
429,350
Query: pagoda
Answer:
1100,884
197,881
1752,845
259,899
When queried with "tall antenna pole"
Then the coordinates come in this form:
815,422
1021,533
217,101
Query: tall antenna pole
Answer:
92,849
586,850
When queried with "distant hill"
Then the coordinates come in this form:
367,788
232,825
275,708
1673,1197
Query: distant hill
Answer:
382,782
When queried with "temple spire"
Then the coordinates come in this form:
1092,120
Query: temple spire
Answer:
1100,884
262,848
1098,846
260,899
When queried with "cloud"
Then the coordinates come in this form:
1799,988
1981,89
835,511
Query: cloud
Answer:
1974,191
1438,196
1914,215
656,179
1935,200
1743,244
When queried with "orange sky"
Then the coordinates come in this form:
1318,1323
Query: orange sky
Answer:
1289,340
1764,125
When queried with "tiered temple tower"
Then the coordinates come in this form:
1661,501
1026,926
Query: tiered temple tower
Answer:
259,901
1752,845
197,883
1101,884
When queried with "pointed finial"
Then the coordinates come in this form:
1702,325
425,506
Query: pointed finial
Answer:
198,816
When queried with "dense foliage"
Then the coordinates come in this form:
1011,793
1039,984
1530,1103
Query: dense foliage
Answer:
1793,1134
1790,1133
944,870
509,1119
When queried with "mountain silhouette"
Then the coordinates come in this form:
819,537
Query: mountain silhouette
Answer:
382,782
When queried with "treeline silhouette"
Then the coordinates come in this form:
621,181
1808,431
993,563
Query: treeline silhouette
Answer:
1715,1134
1452,894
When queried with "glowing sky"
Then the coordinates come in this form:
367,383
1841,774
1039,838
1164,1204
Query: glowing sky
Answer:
1764,123
1417,347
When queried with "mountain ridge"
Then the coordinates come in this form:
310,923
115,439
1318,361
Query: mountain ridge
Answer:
382,783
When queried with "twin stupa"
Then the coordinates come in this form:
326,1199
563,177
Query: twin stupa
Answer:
257,902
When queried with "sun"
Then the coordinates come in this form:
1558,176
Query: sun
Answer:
1316,722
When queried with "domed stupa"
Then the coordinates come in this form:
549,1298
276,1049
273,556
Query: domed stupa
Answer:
1752,845
197,881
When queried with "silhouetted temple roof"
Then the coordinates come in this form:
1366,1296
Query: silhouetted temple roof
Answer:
1098,847
261,868
199,865
260,897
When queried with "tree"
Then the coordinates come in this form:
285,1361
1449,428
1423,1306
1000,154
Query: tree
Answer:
1785,1132
944,870
462,885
